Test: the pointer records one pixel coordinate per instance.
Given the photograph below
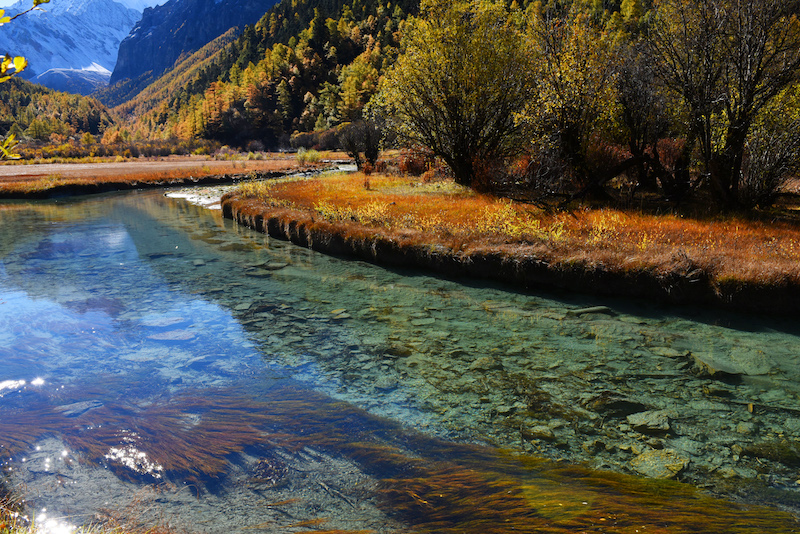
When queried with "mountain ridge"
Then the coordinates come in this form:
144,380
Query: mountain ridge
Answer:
79,81
306,65
178,28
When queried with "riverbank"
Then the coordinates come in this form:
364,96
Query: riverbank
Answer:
570,380
51,180
733,263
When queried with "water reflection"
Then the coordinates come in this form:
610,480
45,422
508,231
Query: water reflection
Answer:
177,349
12,384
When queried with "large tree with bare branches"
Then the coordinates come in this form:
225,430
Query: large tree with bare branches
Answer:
729,60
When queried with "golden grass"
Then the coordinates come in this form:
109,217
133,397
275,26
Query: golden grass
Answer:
725,250
30,180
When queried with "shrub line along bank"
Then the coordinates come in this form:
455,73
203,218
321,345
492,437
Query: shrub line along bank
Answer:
683,284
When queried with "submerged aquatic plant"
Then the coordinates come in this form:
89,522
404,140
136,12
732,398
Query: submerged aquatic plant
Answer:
24,421
431,484
189,436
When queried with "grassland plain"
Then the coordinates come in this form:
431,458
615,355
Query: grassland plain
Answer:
732,261
50,179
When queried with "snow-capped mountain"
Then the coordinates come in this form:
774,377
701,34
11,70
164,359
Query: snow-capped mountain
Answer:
78,81
69,39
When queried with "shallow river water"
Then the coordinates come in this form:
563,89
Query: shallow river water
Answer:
161,366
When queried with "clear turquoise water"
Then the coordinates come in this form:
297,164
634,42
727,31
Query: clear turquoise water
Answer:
136,330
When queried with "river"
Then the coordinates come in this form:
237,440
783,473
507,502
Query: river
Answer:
161,366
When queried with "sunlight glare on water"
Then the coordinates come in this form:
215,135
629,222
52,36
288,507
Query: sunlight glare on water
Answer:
52,525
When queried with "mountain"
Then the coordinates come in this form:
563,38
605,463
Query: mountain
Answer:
131,101
178,28
140,5
78,81
79,38
307,66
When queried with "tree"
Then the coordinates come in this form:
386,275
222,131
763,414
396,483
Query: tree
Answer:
644,119
574,100
460,82
772,151
357,82
7,64
362,136
728,60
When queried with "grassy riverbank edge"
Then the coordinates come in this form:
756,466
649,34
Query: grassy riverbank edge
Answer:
683,283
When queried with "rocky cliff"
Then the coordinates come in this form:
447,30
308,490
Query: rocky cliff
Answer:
167,32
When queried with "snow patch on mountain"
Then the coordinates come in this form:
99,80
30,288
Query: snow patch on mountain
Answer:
79,81
140,5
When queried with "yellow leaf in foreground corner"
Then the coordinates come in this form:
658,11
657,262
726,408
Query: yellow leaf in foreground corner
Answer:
3,18
5,64
19,64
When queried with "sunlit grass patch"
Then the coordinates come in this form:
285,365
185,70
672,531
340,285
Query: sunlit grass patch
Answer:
374,213
305,156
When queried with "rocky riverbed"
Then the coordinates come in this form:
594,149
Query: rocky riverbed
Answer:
704,397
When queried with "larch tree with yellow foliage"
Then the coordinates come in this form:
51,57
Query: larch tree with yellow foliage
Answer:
575,97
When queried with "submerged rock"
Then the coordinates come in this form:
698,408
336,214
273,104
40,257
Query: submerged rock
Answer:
614,405
594,309
78,408
486,363
173,335
162,322
650,422
736,362
274,266
538,432
665,463
783,451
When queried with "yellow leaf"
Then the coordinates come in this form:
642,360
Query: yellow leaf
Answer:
38,2
6,148
20,63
